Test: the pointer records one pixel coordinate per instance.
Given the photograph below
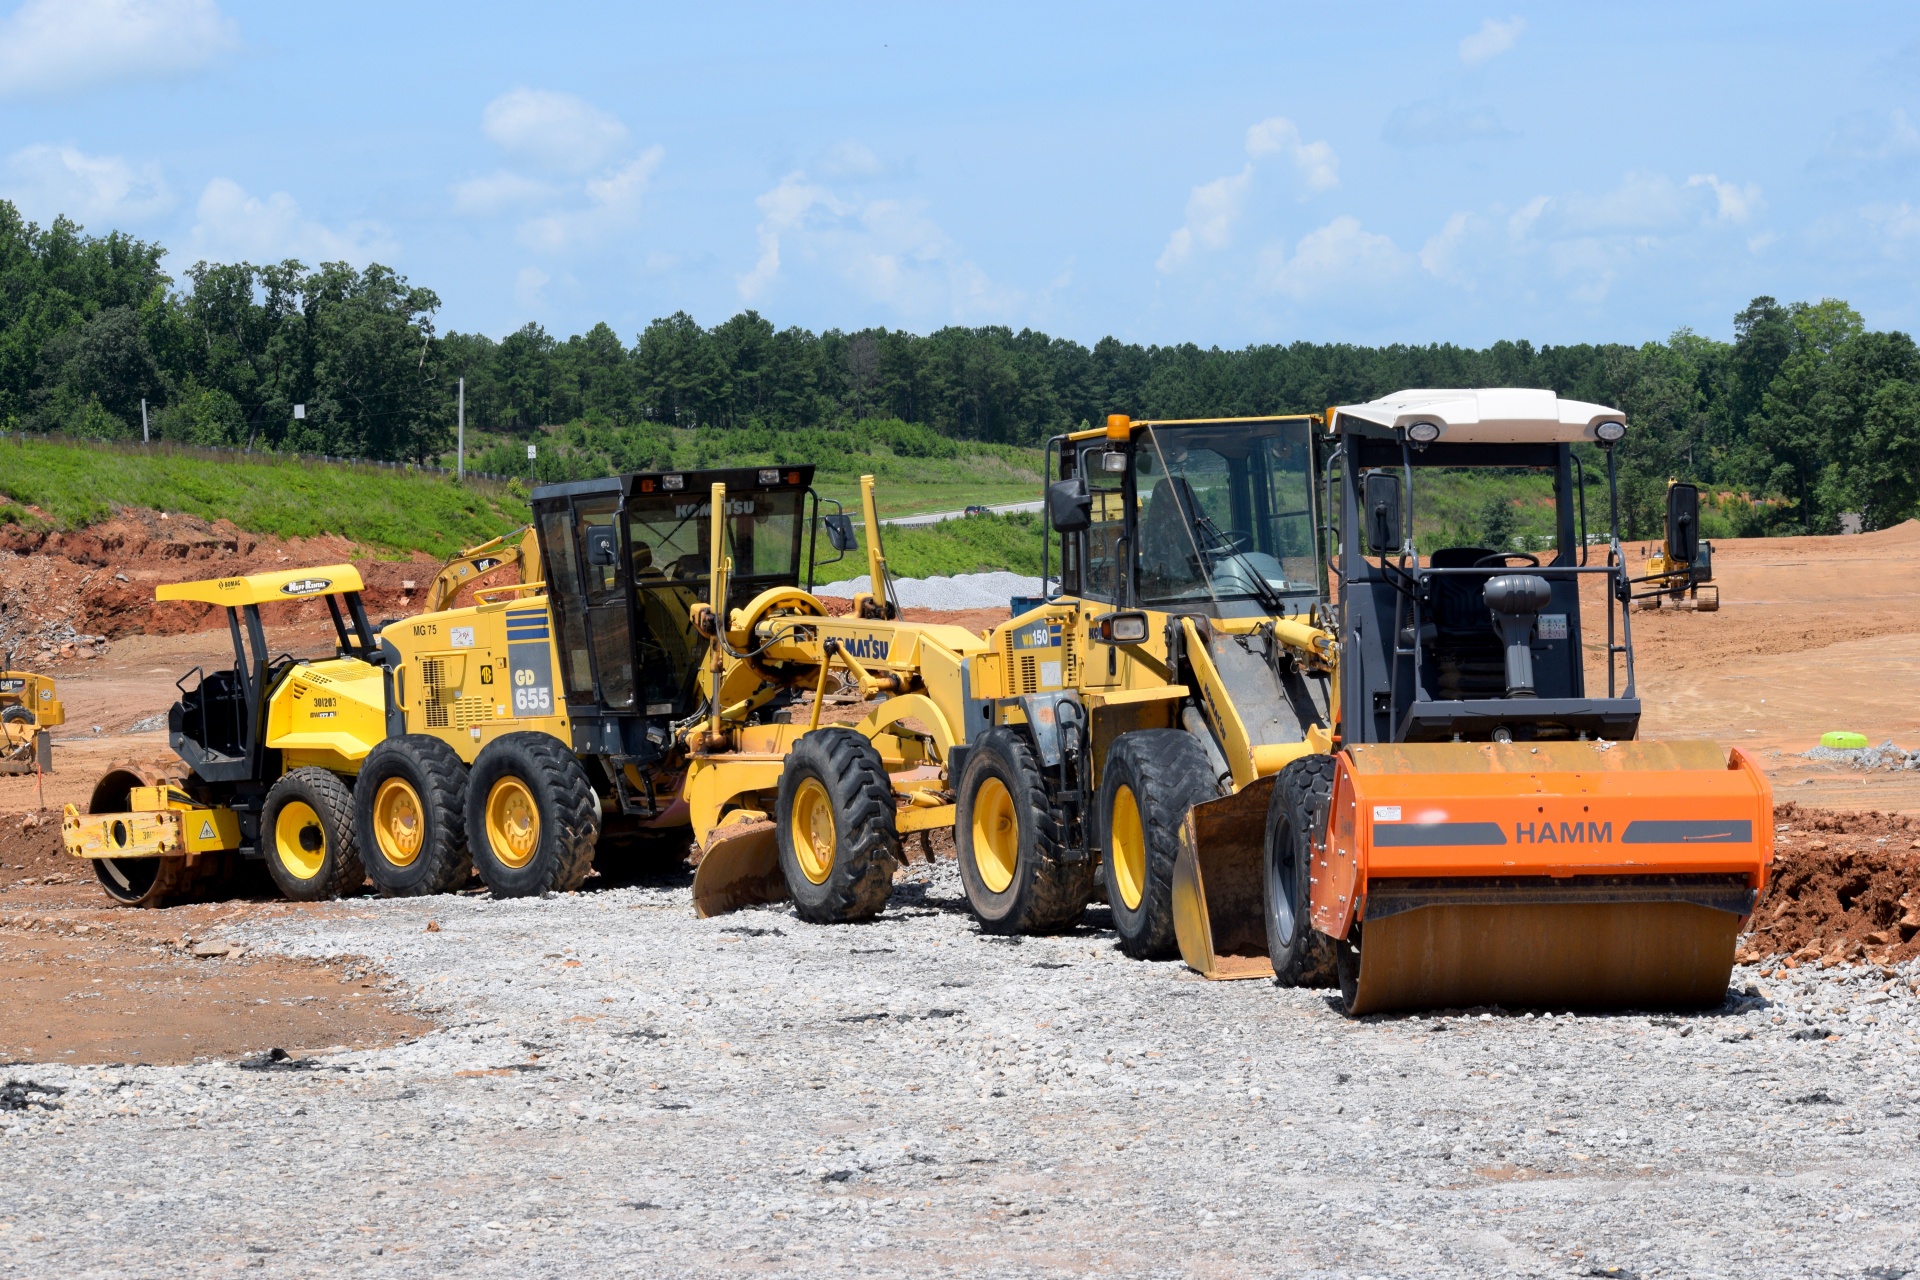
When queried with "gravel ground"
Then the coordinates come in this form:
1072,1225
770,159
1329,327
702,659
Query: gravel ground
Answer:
621,1088
962,591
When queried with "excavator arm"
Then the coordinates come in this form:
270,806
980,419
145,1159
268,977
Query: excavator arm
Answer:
520,546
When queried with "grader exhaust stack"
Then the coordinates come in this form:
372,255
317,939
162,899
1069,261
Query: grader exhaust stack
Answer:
1485,830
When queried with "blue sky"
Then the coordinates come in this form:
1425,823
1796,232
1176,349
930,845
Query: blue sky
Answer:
1223,174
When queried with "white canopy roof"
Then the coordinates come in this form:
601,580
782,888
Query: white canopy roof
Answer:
1489,414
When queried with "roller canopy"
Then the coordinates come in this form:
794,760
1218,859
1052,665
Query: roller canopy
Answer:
265,588
1503,415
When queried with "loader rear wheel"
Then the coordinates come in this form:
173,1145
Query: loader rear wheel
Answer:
1301,957
306,832
833,820
1011,860
533,818
410,815
1153,776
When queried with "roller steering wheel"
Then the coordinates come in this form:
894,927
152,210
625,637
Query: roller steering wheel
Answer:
1483,562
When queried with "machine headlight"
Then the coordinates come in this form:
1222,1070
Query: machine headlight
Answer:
1609,432
1424,432
1113,460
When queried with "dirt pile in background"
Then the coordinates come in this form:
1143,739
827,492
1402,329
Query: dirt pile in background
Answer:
1846,887
63,594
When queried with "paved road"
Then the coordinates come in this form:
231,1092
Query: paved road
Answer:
935,517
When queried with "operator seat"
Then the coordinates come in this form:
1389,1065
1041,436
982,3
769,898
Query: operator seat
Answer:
1467,658
1169,552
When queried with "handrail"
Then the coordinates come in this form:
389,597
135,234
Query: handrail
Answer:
511,586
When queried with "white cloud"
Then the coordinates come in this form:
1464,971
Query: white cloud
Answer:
1435,122
233,225
550,130
1642,202
1339,257
1491,40
529,285
613,202
496,191
55,46
851,160
45,181
889,250
1523,218
1736,204
1869,138
1440,253
1215,208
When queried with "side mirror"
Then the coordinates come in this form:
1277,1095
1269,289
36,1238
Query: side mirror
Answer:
840,533
1069,505
1381,497
1683,523
603,545
1129,627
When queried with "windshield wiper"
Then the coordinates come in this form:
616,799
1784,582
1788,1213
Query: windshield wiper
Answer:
1270,599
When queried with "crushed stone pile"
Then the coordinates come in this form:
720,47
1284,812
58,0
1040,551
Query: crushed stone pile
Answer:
961,591
1885,756
1846,888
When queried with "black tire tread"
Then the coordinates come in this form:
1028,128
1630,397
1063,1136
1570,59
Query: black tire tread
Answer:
576,811
867,845
1057,890
1169,772
1304,787
445,773
341,874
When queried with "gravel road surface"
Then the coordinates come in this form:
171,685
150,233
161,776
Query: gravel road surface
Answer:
619,1088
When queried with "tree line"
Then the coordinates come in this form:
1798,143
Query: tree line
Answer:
1807,410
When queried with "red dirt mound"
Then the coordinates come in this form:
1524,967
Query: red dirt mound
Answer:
1846,887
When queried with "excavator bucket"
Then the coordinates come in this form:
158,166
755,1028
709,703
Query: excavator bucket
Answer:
1219,913
739,867
1561,875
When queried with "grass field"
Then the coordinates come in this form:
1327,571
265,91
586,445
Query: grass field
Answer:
396,511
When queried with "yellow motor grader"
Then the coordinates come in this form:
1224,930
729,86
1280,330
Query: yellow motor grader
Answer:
29,708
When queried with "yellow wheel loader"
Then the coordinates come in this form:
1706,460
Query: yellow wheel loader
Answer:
30,708
267,749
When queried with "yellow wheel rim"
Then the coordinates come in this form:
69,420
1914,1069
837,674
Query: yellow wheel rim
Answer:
513,822
1129,851
812,829
399,826
299,841
996,835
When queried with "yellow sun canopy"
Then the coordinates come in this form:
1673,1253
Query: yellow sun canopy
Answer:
266,588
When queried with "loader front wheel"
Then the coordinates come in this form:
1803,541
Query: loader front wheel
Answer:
1153,776
306,832
533,818
410,815
833,820
1011,861
1301,957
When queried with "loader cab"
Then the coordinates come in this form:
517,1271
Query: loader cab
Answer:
1211,516
626,559
218,727
1468,641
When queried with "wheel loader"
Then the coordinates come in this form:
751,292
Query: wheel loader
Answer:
30,708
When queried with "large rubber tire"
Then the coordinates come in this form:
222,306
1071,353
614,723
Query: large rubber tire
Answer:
833,819
1012,862
409,809
1152,777
1301,957
16,714
306,834
533,818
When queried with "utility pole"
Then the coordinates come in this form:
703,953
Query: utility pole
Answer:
144,437
461,464
532,453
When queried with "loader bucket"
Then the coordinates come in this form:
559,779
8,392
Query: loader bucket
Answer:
1219,913
740,867
1571,875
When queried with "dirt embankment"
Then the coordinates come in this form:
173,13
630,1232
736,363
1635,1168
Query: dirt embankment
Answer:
63,594
1846,887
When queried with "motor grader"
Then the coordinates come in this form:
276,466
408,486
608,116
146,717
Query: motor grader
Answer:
30,708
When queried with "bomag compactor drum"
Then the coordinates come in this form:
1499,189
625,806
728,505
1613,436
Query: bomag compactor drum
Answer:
267,749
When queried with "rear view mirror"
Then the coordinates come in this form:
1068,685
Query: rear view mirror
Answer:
1683,523
1069,505
602,545
840,533
1381,497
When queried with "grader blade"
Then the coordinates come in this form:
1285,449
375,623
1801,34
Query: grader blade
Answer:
740,867
1219,913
